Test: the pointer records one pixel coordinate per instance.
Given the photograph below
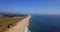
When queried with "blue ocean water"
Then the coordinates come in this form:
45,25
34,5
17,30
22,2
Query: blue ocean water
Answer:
44,23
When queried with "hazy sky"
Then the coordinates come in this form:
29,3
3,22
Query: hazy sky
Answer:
30,6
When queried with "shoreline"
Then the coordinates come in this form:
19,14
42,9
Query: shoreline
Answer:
21,25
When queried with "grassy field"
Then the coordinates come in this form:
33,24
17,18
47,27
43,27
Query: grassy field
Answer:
6,22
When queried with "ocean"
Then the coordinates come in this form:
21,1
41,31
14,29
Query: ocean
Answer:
44,23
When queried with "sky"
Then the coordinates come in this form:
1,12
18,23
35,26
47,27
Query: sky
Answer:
30,6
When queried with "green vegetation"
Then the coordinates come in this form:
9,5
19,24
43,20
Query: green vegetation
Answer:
6,22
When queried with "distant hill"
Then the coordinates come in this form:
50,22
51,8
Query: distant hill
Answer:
11,14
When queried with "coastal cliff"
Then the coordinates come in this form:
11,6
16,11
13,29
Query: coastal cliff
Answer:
20,26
